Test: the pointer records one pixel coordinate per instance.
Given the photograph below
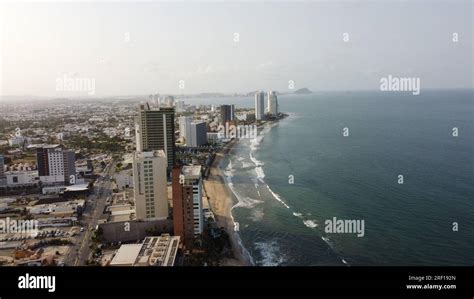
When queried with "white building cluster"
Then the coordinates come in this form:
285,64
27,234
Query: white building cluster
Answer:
272,104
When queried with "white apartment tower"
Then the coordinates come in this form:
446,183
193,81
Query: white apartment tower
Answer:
272,103
259,105
149,185
184,122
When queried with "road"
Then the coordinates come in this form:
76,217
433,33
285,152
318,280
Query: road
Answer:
80,252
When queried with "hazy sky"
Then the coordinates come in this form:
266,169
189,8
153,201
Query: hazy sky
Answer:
142,48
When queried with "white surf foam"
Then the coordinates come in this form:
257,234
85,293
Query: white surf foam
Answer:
246,202
229,170
328,241
255,161
260,173
256,215
246,165
310,223
270,252
255,142
277,197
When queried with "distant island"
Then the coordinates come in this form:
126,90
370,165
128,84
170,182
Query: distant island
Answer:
303,91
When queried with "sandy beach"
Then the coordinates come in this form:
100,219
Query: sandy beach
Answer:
221,200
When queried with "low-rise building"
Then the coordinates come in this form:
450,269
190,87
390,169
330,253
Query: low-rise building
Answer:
154,251
22,178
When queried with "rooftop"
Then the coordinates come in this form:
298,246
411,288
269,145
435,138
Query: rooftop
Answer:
194,170
154,251
126,255
78,187
48,146
150,154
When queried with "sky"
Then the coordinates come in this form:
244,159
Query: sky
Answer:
130,48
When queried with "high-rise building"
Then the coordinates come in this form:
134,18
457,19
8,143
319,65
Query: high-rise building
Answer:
184,122
183,215
272,103
259,105
149,185
167,101
56,165
188,220
3,178
155,131
179,106
196,134
227,113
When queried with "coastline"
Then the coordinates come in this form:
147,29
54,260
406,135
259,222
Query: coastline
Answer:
221,200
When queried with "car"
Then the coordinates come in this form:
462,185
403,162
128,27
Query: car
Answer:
82,229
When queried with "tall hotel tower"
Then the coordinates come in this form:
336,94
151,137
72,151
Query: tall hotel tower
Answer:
259,105
272,103
188,219
155,131
149,179
227,113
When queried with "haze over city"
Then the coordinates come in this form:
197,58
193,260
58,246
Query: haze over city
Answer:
143,48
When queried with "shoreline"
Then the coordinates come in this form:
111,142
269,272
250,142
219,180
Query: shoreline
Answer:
222,200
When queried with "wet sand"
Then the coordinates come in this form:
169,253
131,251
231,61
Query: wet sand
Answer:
222,200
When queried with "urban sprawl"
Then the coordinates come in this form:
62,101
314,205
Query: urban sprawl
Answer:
117,182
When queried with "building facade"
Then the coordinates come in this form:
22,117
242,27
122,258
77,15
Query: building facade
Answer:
56,165
227,113
272,103
155,131
149,185
3,178
184,122
188,220
22,178
197,134
259,105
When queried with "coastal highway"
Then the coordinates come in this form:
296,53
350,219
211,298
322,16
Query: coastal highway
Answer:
81,251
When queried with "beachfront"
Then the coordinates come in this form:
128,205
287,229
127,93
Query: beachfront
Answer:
222,200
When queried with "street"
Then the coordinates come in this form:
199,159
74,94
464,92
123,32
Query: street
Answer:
80,251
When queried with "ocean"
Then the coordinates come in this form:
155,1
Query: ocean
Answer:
303,171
